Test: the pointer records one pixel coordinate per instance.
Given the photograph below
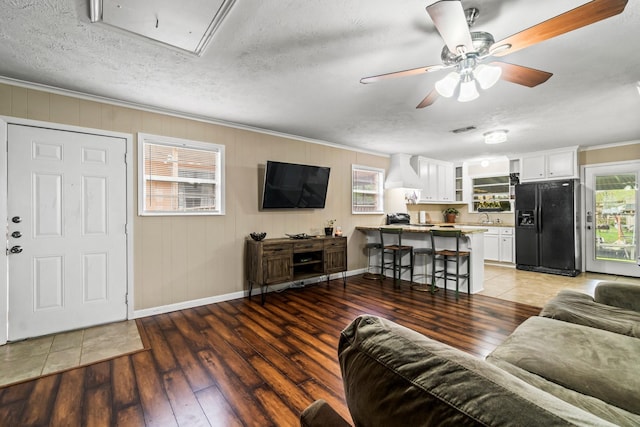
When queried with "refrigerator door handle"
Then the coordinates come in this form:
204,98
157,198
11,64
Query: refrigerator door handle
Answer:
537,219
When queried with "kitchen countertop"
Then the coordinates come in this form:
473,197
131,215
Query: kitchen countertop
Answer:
423,228
484,224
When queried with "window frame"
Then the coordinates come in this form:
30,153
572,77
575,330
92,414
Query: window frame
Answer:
219,180
379,192
475,202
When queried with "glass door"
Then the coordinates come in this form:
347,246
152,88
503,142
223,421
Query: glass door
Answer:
611,221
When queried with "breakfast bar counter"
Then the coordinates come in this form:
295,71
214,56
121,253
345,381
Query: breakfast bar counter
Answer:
416,236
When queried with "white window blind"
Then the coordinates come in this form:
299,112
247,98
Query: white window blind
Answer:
180,177
367,191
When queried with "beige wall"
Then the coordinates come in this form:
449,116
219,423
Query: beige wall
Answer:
618,153
179,259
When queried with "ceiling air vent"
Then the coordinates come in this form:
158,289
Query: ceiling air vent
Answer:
186,25
464,129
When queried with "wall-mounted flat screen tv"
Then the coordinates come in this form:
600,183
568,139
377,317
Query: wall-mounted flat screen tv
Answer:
291,186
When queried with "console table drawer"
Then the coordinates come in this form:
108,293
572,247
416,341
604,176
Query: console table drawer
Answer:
276,249
308,246
335,242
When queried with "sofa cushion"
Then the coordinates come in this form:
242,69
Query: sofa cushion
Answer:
395,376
576,307
590,361
618,294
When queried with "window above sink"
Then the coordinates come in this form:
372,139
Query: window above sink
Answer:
492,194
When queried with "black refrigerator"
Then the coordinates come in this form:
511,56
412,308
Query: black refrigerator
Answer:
547,227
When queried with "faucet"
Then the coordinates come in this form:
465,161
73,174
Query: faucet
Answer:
485,221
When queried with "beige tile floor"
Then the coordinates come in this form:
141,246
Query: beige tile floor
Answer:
34,357
537,288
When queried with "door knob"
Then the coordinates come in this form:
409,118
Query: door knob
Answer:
16,234
15,250
16,219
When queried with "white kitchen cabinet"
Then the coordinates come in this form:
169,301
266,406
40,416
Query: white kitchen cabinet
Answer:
492,244
507,248
498,244
438,180
532,168
547,165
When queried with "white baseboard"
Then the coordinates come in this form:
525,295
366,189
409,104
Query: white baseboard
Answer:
233,295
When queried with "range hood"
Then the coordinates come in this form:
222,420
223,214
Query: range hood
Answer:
401,174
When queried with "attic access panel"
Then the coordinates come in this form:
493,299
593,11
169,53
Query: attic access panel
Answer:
186,25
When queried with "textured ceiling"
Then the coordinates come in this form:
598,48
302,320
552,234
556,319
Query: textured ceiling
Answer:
294,67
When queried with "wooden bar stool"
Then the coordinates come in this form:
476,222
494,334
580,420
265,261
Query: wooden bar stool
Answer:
451,256
429,258
373,246
395,247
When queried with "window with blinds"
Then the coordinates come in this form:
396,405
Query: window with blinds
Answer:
367,190
180,177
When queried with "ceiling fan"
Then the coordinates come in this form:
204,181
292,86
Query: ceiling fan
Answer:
475,55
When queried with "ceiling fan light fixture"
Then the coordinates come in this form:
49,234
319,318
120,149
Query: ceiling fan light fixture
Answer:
487,75
468,90
497,136
447,86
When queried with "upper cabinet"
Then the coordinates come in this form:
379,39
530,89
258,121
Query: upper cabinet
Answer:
438,180
547,165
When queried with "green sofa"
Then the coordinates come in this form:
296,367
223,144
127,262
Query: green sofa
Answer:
549,372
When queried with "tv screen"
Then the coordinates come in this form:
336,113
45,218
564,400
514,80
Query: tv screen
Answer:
289,185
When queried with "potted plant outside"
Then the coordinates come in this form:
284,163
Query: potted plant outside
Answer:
328,229
450,214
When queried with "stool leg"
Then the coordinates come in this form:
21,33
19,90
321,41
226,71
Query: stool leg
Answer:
469,274
395,264
411,263
433,273
457,275
446,271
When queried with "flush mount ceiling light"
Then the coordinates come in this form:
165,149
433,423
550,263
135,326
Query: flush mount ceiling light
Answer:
186,25
495,136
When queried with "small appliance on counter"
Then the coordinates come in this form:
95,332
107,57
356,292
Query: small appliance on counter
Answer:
398,218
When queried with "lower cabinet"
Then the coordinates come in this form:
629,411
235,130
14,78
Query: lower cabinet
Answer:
507,249
335,255
498,244
277,264
273,261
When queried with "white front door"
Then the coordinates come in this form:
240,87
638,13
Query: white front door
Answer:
66,205
611,220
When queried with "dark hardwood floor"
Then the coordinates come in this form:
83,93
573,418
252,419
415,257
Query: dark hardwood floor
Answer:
239,363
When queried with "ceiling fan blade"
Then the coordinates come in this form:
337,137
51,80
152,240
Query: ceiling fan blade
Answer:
522,75
449,18
581,16
412,72
429,99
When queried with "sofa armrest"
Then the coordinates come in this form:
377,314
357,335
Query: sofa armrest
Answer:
617,294
321,414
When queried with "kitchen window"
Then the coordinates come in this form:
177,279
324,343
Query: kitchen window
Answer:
367,190
491,194
179,177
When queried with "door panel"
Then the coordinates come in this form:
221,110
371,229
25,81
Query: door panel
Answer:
67,192
526,230
611,202
557,225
